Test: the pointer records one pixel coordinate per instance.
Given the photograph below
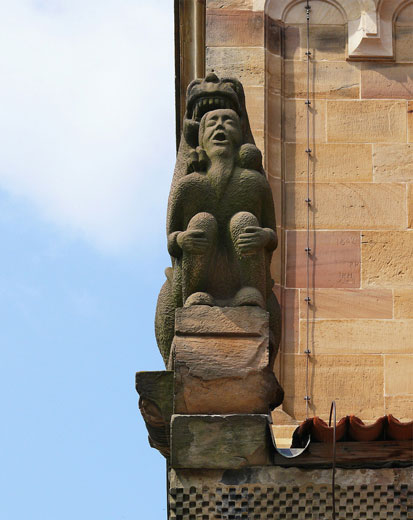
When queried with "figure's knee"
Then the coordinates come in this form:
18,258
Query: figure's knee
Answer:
240,221
204,222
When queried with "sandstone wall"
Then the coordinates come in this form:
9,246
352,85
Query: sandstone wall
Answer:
361,269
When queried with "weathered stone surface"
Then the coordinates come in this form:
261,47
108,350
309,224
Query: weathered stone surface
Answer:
386,258
290,323
261,481
355,382
393,162
329,80
254,101
211,358
347,206
410,121
387,81
245,63
274,158
405,17
366,121
276,188
398,372
335,259
158,388
400,406
295,122
156,405
278,258
274,117
321,14
202,320
229,4
219,441
403,302
404,43
410,205
251,392
274,36
234,28
348,303
327,42
363,336
221,359
274,72
329,162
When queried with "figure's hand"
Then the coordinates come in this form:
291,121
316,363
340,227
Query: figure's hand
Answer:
193,241
252,239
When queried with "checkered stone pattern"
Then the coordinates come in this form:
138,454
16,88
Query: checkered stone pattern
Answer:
381,502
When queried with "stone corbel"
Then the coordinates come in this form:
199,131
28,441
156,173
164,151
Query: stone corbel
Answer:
370,36
370,24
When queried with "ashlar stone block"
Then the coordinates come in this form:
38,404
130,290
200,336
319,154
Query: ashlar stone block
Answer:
348,303
219,441
234,28
229,4
221,360
274,72
355,382
327,42
387,81
398,372
329,162
393,162
386,258
335,259
347,206
403,302
399,406
329,80
244,63
366,121
362,336
295,121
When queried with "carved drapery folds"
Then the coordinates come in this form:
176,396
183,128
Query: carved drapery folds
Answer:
370,23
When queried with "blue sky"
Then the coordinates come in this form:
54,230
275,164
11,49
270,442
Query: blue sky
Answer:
87,130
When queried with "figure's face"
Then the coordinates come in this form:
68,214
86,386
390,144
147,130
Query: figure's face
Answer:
222,132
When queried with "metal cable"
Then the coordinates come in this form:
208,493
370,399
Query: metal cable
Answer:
307,351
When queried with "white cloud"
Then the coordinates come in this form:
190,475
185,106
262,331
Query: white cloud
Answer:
87,113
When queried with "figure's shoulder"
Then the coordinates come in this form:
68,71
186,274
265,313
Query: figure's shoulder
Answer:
191,179
246,173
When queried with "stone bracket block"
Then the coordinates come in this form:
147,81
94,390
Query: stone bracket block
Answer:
220,356
220,441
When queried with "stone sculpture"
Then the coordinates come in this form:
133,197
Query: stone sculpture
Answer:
220,224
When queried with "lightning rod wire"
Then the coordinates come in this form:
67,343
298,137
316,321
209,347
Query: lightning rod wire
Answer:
307,351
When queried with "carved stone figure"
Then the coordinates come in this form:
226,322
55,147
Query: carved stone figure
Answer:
220,225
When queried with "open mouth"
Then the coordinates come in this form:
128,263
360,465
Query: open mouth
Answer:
204,104
220,137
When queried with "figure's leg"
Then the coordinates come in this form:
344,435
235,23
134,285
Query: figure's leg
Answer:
195,267
251,265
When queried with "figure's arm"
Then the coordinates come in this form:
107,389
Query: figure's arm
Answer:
174,225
